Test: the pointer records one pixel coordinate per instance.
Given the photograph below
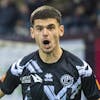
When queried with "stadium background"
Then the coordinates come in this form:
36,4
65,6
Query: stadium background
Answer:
81,19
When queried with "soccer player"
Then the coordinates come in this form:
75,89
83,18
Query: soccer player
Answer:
50,73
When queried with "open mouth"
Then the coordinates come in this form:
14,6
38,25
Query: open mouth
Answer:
46,42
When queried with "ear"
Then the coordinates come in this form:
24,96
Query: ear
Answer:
61,30
32,32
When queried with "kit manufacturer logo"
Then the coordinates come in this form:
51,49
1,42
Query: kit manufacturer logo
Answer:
48,77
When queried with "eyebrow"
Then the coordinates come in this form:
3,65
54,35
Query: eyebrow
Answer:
45,26
51,25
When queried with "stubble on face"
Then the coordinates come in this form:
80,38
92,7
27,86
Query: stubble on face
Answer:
47,37
47,34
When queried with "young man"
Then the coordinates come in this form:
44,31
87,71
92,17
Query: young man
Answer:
50,73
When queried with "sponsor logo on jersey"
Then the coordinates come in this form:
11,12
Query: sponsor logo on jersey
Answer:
67,80
48,77
25,79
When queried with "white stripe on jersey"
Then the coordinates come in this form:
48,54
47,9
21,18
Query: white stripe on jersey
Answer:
32,66
36,66
84,70
16,69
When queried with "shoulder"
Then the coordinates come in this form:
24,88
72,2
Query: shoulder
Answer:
73,59
82,66
18,67
27,58
84,70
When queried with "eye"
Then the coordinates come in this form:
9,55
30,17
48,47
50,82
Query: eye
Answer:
50,27
39,28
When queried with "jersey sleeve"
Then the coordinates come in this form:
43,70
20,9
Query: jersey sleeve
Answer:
89,85
90,88
10,83
12,78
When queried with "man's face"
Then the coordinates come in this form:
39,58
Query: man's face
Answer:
46,32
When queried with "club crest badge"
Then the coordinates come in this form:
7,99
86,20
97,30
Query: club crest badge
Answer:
67,80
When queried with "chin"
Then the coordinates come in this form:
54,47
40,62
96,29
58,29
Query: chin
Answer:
48,51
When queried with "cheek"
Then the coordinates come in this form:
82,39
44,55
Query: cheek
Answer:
38,39
55,38
57,35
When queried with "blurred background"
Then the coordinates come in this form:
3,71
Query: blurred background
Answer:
81,19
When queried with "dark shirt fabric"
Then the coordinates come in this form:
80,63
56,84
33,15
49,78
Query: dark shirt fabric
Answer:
62,80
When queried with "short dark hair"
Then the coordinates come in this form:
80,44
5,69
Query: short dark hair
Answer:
44,12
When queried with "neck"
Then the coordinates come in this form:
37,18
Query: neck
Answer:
51,57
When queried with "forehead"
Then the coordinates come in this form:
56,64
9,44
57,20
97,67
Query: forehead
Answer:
45,22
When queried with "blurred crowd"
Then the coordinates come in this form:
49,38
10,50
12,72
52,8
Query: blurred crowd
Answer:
79,16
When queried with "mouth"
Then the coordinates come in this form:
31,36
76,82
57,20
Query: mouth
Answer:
46,42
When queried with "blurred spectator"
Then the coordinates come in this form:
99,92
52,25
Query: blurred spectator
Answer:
33,4
98,15
80,22
23,23
96,29
8,16
26,9
79,16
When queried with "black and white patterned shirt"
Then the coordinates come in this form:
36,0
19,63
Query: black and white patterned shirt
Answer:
63,80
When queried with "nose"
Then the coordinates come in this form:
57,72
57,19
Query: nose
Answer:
45,32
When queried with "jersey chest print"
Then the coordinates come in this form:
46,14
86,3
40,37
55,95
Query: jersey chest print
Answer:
68,91
69,87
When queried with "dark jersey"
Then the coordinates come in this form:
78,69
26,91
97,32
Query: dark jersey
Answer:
63,80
